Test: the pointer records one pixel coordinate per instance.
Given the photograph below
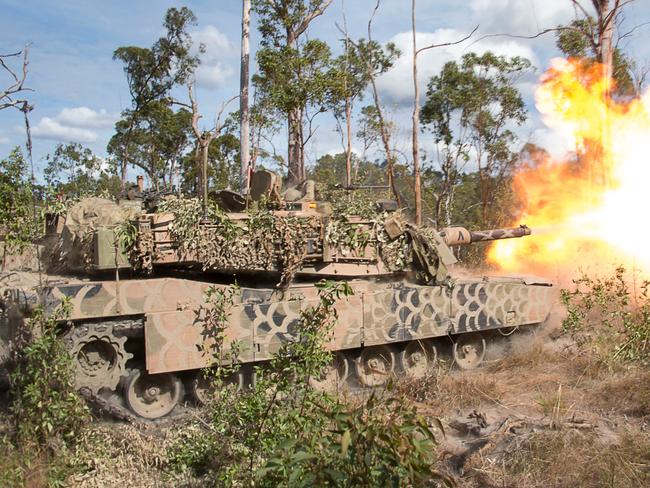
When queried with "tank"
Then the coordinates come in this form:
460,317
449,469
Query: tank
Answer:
138,276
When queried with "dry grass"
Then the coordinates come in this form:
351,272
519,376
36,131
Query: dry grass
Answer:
626,394
119,455
564,458
442,392
584,421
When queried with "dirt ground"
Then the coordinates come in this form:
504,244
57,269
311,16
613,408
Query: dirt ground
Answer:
537,414
542,416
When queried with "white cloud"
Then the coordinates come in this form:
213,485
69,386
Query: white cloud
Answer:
397,84
521,17
213,72
212,39
213,76
86,117
48,128
77,124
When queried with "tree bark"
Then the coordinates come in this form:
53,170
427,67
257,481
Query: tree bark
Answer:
348,151
244,150
605,33
295,168
416,125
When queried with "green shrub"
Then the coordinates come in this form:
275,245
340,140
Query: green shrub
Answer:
46,414
608,318
45,403
283,432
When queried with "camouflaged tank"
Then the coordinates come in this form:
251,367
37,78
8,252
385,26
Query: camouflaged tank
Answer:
135,329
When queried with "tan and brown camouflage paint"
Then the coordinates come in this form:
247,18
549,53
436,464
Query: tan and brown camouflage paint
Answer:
262,319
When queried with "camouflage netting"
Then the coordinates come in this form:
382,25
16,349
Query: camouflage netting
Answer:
270,242
262,242
73,251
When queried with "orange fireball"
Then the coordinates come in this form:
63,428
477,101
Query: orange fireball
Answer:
587,210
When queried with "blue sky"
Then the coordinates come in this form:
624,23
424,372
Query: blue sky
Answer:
80,90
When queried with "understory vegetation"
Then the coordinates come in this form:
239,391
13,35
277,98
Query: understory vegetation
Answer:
282,431
610,316
46,416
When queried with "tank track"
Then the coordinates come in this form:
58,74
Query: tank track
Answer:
110,404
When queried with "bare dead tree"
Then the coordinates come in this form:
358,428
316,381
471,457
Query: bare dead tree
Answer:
203,140
640,73
416,110
383,129
13,95
348,108
244,118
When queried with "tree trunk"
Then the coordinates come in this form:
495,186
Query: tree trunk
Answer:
348,151
244,151
205,145
606,22
416,125
296,170
385,139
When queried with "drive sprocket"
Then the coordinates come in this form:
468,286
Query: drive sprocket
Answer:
99,356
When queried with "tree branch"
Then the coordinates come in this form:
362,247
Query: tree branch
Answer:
431,46
302,27
217,124
18,84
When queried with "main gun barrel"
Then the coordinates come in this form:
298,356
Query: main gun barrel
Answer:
455,236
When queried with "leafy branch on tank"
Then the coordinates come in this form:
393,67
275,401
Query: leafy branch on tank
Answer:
268,241
139,246
212,317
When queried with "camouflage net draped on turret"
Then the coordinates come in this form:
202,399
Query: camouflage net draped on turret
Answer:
268,241
73,250
260,240
264,241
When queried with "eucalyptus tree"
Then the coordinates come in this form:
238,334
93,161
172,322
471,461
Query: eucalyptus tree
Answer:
153,139
580,40
472,108
293,72
377,60
151,73
74,170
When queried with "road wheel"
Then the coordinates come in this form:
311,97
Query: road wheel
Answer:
415,359
334,376
203,385
469,350
375,365
152,396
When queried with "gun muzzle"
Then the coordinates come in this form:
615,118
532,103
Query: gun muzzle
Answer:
459,236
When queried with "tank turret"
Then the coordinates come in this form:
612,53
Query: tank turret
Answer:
273,238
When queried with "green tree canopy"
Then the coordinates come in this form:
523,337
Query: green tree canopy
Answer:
579,40
155,140
17,224
75,170
471,109
151,73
